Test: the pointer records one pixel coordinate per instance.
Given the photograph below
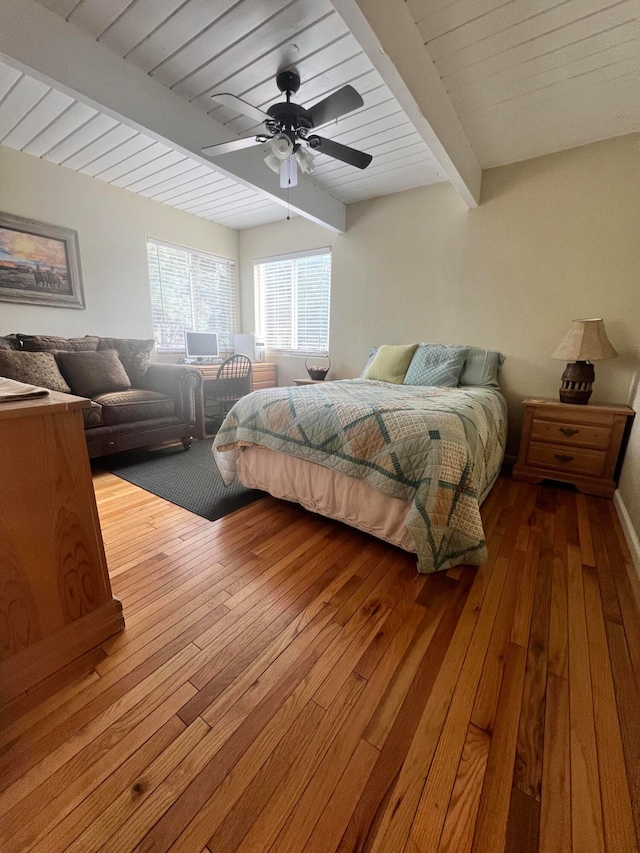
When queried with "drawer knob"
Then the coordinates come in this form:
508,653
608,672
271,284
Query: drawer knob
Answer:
563,457
569,431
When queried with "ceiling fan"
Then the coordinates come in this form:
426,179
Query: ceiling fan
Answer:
289,129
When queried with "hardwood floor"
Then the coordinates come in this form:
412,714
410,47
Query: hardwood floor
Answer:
288,684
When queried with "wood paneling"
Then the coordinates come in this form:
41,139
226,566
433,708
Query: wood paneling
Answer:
179,44
528,78
288,684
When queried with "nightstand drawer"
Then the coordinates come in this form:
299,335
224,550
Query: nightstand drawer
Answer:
573,444
594,436
578,461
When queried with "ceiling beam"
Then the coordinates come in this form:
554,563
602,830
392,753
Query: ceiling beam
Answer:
43,45
387,33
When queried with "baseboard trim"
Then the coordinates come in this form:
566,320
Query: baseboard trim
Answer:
628,529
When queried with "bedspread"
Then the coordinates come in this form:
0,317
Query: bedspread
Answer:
439,449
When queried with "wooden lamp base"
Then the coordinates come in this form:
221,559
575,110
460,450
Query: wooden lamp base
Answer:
577,383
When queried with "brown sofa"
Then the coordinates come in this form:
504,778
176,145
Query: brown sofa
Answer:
163,404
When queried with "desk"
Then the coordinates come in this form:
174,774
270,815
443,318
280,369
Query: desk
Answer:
56,602
264,374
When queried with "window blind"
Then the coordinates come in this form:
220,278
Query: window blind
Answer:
292,302
190,290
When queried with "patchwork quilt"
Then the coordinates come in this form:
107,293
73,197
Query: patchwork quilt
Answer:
438,449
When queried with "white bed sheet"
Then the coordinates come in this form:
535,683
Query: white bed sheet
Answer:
327,493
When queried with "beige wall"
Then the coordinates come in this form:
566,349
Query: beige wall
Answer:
630,480
555,238
112,226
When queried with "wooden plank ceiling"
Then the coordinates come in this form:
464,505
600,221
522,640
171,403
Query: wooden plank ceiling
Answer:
41,121
528,77
199,47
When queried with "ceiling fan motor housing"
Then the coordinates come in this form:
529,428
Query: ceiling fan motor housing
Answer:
288,117
288,81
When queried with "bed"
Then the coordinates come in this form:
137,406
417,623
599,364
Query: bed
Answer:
408,464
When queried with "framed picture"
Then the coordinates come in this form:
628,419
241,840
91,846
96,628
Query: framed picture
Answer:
39,263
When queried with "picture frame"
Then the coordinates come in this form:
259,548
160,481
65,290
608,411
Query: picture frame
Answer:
39,263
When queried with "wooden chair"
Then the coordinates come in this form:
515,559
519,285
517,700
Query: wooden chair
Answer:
232,382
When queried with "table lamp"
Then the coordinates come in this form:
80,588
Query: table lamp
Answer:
585,342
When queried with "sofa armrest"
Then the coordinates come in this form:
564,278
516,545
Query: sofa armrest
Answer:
184,385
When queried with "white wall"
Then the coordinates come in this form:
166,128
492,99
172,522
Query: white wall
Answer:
555,238
112,226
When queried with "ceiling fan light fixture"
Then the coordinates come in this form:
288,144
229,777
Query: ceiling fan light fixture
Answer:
289,173
306,160
281,146
273,162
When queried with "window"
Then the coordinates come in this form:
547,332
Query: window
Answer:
292,301
191,290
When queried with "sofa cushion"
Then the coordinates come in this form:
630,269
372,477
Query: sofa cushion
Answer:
34,368
93,373
54,343
92,416
127,407
135,354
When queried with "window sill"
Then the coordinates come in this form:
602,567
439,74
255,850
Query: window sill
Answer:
295,354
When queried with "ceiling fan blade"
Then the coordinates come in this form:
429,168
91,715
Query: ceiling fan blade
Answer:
340,103
289,173
341,152
240,106
234,145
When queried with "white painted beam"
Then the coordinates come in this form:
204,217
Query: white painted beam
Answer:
388,35
43,45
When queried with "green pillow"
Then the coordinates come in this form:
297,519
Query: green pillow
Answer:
391,363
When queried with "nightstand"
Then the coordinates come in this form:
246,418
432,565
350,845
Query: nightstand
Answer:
310,381
573,444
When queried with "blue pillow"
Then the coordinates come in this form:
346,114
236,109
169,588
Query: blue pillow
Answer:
436,364
481,368
372,355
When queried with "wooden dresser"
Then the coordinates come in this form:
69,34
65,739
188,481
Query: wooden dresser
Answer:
55,594
573,444
264,374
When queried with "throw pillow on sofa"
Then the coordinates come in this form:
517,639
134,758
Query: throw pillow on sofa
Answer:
54,343
10,342
93,373
34,368
135,355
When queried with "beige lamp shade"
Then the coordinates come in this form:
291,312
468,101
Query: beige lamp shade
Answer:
586,340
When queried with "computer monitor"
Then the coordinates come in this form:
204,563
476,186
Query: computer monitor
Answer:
201,344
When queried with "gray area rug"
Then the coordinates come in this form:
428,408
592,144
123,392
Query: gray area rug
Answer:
189,479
